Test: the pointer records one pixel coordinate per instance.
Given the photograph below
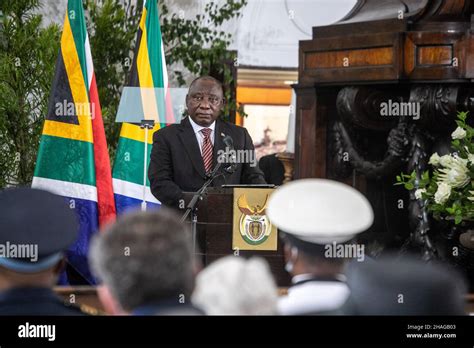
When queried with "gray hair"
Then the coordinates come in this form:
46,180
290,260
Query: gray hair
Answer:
145,257
236,286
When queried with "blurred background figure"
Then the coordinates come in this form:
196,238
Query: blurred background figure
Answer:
236,286
404,286
36,229
146,264
272,169
318,218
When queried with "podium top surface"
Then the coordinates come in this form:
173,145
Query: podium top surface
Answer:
249,186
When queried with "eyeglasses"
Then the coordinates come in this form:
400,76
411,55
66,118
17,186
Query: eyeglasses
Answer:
213,100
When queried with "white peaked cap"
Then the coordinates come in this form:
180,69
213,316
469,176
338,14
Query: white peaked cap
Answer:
320,211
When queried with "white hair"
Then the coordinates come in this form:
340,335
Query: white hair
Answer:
236,286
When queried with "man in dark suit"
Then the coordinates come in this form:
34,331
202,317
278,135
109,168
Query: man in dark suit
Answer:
184,154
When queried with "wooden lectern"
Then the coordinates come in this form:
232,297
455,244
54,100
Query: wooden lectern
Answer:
215,215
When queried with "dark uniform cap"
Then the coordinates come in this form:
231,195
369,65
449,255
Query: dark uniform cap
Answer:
39,219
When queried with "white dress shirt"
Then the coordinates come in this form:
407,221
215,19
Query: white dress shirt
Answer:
313,296
199,136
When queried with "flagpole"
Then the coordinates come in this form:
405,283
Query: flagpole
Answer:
146,125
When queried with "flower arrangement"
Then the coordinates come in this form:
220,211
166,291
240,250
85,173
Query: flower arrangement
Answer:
448,190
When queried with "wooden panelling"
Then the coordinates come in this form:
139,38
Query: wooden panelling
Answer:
434,55
215,234
469,52
305,141
311,132
349,58
452,7
341,29
369,57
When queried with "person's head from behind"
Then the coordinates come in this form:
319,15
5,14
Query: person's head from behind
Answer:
37,227
309,258
205,100
404,285
144,258
236,286
316,217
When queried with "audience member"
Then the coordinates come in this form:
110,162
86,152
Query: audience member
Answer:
236,286
36,229
404,286
317,219
146,263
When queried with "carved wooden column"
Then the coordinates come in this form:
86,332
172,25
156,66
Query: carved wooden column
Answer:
311,132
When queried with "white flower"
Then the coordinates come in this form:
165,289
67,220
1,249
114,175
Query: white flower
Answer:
443,193
471,198
419,192
470,158
456,173
434,159
459,133
446,160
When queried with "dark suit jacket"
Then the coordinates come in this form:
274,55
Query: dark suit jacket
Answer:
176,164
34,301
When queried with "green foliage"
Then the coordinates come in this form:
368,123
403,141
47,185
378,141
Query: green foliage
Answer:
28,54
201,45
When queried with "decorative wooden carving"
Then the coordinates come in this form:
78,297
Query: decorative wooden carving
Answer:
438,105
419,52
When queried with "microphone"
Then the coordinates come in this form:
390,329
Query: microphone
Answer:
229,143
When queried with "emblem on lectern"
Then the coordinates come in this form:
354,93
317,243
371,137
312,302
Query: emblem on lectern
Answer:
251,228
254,225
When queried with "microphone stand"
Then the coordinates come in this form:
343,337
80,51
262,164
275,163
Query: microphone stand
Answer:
191,207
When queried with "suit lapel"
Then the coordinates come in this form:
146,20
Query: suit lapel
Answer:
188,138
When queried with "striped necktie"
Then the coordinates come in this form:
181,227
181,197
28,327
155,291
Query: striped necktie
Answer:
207,149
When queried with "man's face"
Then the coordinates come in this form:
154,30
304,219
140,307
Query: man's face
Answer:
204,102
